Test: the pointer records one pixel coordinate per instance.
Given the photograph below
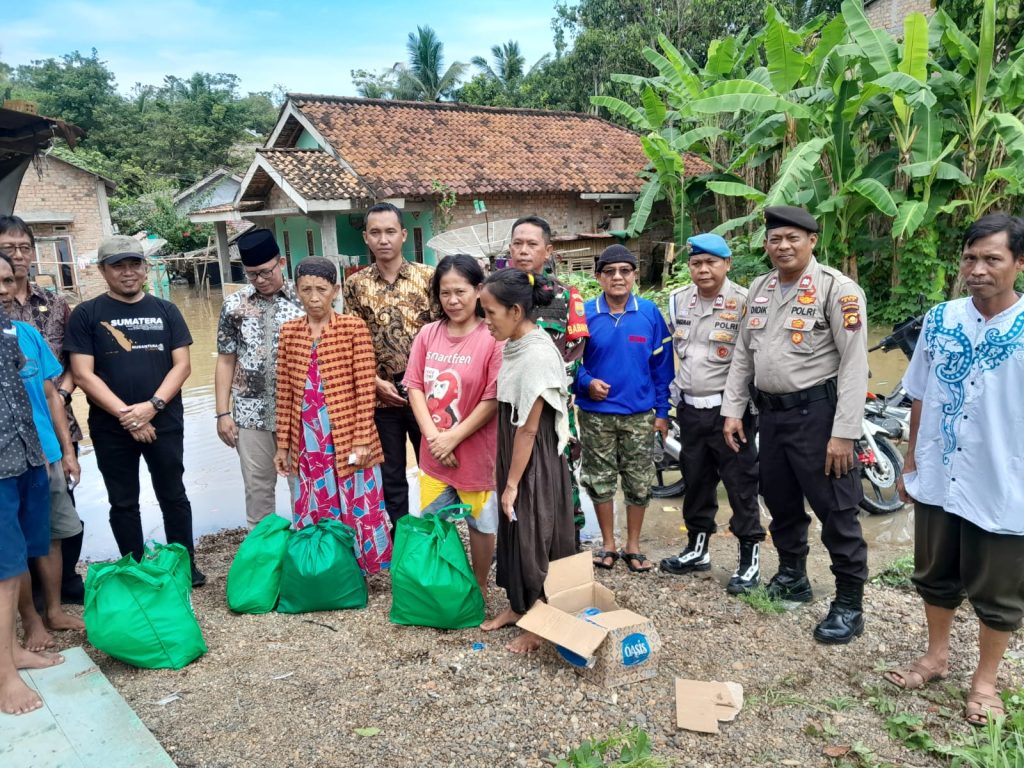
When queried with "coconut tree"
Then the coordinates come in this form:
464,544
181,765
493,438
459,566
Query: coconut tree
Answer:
508,69
424,77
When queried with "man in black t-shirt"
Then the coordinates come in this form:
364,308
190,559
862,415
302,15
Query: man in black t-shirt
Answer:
129,354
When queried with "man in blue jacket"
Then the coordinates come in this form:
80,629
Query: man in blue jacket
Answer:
622,392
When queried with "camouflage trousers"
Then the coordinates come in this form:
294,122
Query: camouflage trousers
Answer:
574,457
617,446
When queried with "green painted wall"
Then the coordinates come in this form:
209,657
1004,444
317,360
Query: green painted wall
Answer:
305,141
296,227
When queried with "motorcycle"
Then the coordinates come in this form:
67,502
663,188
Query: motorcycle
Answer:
886,423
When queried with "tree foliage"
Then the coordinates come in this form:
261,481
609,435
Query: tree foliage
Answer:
424,77
891,142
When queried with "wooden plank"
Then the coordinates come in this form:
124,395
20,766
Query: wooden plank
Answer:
91,717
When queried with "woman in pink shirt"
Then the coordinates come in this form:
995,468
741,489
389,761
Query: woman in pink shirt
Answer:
452,381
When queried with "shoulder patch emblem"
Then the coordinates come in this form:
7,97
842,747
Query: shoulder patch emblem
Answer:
852,321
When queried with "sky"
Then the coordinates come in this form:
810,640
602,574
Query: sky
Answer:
309,49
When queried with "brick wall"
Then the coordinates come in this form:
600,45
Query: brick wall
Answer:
889,14
567,214
65,189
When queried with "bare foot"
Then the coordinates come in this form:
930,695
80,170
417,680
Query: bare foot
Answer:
506,618
525,643
37,639
25,659
60,621
16,698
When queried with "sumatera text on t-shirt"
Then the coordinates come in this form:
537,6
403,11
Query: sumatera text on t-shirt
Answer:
455,373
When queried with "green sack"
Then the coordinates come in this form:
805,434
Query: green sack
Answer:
141,613
254,579
320,571
432,584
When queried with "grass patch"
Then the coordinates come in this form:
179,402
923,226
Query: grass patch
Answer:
897,573
626,749
761,601
1000,744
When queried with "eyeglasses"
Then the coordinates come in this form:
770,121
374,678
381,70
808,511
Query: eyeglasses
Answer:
263,274
12,249
613,271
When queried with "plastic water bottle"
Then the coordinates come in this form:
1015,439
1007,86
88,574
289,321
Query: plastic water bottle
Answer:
657,448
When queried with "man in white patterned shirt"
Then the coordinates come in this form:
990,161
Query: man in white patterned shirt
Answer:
965,461
246,372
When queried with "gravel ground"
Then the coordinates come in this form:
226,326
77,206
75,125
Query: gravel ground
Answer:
291,690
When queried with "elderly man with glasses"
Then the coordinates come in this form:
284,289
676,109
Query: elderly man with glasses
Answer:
245,382
622,392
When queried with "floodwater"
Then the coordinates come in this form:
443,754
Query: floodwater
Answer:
214,481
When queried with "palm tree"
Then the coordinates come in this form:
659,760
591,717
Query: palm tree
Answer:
424,77
509,64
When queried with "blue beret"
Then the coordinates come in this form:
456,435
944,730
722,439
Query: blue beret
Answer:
714,245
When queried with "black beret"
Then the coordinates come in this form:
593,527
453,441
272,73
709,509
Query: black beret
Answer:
257,246
789,216
614,254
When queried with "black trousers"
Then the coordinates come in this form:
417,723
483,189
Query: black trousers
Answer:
71,552
793,444
117,456
394,425
706,459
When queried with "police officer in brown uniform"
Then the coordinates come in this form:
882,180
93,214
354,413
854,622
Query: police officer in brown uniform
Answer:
704,319
803,344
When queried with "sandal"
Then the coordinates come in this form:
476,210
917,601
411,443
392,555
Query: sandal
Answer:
636,557
600,555
980,706
916,675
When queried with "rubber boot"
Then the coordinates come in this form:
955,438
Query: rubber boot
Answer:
791,582
845,619
695,557
748,572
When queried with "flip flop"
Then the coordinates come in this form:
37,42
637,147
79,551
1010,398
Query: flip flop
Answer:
635,557
917,670
600,555
980,706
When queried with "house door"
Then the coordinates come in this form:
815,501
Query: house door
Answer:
56,260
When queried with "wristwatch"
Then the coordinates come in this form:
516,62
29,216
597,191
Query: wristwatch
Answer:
157,403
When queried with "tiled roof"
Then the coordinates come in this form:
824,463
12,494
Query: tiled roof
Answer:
314,174
398,148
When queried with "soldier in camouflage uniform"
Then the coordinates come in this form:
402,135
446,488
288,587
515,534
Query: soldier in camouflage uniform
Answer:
531,251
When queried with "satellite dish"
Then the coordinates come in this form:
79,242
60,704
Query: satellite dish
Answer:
480,240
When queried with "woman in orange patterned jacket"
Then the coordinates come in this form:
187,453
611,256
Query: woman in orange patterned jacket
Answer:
326,439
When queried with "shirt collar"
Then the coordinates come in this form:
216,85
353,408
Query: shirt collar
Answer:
404,272
631,306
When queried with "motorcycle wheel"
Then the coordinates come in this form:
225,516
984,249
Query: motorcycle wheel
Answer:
880,494
670,481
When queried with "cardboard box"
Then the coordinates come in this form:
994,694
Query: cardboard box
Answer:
612,647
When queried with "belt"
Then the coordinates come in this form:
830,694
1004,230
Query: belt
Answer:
769,402
711,401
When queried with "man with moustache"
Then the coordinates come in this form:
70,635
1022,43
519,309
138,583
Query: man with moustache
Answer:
803,345
245,379
964,462
564,320
704,319
129,354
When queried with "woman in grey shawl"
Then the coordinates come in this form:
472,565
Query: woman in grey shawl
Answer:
536,524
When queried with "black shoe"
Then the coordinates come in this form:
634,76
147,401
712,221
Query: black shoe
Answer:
840,626
198,577
845,619
694,558
791,582
748,572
